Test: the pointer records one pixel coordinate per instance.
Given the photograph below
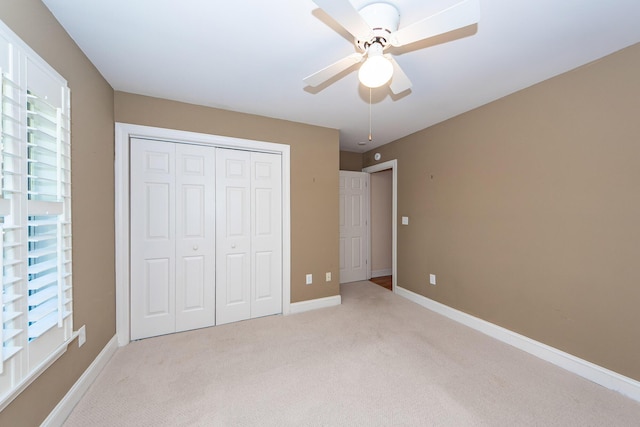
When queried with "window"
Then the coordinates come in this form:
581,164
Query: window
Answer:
35,215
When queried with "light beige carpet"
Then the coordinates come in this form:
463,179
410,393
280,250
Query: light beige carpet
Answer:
376,360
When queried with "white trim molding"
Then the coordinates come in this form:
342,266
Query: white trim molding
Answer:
63,409
313,304
595,373
125,131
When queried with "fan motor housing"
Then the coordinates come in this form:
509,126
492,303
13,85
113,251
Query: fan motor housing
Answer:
384,19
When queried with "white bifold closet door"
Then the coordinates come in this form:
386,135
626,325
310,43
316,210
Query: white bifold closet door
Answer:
206,236
172,237
249,235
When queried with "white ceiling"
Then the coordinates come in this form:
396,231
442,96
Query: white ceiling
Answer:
251,56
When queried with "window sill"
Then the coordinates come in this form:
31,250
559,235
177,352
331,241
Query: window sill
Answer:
8,398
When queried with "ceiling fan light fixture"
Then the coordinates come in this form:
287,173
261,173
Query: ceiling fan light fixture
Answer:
376,70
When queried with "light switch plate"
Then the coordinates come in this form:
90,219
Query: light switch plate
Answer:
432,279
309,279
405,220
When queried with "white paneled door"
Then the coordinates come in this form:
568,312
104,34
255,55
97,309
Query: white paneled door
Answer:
249,235
206,236
233,236
354,205
172,237
195,236
152,239
266,226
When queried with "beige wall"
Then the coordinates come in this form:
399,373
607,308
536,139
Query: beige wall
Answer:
350,161
381,200
314,177
527,210
93,204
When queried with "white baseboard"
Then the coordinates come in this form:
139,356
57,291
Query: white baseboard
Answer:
380,273
302,306
599,375
70,400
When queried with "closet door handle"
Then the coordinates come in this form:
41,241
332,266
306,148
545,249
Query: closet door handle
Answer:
233,246
195,247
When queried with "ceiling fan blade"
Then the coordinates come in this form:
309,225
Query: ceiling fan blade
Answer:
399,82
459,15
326,73
346,15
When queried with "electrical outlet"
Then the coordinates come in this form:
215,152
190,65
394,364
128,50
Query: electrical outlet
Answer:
309,279
432,279
327,276
82,335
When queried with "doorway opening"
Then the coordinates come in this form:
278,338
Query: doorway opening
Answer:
380,252
380,193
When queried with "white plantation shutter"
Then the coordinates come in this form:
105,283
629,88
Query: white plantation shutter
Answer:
48,171
11,157
35,216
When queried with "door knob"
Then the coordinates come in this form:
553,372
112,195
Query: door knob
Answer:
195,247
233,246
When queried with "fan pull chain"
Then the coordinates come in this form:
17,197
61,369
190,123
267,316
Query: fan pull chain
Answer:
370,137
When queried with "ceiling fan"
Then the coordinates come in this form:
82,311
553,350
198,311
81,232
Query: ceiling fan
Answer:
375,29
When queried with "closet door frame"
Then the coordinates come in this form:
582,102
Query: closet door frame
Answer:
123,133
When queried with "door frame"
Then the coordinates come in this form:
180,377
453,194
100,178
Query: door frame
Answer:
123,133
393,165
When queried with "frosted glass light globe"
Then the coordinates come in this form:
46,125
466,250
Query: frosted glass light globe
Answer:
376,71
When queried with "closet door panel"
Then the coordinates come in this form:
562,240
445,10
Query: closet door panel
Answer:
233,231
266,243
152,238
236,274
195,236
194,288
157,287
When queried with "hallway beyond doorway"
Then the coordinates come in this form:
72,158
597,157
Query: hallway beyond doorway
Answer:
384,281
